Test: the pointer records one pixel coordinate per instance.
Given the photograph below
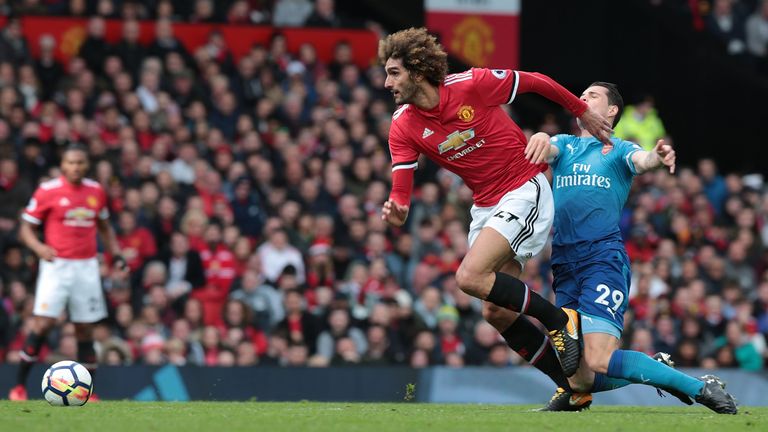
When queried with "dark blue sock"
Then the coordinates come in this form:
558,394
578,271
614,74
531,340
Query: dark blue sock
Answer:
642,369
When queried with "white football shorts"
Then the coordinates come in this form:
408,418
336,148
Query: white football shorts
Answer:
73,282
523,216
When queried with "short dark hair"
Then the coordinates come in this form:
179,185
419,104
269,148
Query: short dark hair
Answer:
76,146
614,98
420,52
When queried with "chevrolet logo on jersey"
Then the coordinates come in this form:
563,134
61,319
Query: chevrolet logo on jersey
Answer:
456,140
79,217
80,213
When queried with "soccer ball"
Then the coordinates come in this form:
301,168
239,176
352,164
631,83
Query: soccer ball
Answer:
67,383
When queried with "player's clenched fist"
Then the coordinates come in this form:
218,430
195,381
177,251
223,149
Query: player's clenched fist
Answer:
394,213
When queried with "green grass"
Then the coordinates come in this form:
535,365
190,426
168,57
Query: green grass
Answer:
337,417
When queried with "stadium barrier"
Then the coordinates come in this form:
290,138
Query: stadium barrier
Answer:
515,385
70,33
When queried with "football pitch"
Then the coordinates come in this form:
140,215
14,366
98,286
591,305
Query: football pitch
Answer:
337,417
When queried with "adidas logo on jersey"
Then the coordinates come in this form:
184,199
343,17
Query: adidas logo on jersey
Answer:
427,133
64,202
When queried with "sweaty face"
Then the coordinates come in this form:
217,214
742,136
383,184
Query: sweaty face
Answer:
399,82
74,165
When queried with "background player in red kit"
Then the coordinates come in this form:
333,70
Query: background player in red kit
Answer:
457,121
72,209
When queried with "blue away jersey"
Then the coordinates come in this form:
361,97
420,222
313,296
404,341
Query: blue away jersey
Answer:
590,190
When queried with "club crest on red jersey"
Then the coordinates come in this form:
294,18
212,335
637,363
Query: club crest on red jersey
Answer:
466,113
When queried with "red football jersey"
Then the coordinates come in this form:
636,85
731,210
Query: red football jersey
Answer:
468,133
68,213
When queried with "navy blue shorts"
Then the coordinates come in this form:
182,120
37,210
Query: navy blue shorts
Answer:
598,288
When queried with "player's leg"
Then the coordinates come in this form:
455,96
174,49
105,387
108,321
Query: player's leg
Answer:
39,328
517,227
597,344
608,363
614,367
601,289
572,284
528,340
604,284
50,300
86,354
86,307
585,380
602,338
523,218
523,336
476,277
578,397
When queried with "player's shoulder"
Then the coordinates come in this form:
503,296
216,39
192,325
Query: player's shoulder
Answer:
475,74
401,121
624,144
460,77
562,139
403,111
91,184
51,184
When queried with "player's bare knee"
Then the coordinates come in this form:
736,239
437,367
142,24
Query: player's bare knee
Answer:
597,360
469,281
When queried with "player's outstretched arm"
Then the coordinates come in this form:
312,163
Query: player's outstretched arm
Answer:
593,122
662,154
539,150
28,236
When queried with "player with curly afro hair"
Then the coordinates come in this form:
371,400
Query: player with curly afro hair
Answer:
456,120
419,51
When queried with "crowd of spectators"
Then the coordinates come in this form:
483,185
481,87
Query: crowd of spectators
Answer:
281,13
246,195
739,27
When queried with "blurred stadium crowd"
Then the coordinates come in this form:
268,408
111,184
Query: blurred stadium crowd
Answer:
246,195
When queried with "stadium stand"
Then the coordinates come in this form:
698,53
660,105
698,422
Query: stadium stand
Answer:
246,187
